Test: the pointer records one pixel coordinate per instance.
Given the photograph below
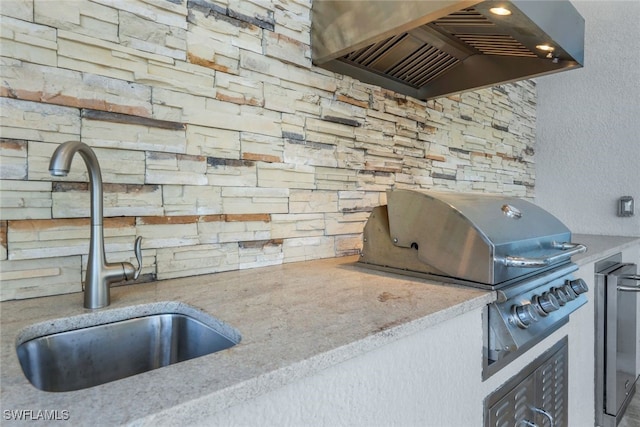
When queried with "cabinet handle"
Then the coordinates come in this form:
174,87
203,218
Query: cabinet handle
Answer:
629,288
635,277
546,414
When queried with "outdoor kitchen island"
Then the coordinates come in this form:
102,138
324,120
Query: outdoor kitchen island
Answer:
323,342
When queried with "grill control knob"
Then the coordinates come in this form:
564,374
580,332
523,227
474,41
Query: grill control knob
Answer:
545,303
579,286
560,295
523,315
569,292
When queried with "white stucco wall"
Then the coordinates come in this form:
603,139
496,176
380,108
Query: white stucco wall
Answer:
588,128
416,383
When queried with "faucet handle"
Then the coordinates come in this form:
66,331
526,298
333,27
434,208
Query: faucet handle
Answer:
137,248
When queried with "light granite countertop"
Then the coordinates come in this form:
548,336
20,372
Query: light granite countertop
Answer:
600,247
294,319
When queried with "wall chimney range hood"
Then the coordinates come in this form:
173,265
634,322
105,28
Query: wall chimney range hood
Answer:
432,48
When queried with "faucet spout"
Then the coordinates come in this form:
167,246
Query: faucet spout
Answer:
100,273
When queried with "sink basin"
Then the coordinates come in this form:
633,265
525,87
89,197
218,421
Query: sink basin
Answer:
81,358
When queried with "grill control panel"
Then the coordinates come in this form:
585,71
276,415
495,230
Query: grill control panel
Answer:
523,315
527,312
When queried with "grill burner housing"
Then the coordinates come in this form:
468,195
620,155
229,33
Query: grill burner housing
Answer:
491,242
483,240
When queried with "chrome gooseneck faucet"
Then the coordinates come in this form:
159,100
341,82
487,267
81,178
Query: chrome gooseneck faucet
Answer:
100,273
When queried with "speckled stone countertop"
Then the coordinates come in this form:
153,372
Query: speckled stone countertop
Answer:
294,319
600,247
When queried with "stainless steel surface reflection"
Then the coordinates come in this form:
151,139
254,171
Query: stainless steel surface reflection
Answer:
82,358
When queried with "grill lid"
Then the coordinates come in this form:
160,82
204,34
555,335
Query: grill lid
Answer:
487,239
428,49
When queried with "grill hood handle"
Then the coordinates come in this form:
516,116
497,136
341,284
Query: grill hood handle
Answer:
569,249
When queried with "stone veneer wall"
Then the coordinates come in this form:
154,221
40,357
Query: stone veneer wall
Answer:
219,142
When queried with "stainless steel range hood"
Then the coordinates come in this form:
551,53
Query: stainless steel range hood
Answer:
432,48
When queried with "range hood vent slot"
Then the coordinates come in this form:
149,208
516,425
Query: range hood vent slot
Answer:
496,44
404,58
440,50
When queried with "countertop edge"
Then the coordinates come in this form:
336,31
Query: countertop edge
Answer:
601,246
209,404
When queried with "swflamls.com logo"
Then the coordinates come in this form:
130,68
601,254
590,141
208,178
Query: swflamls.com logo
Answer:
35,414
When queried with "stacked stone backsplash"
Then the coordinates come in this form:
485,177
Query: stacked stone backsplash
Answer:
220,144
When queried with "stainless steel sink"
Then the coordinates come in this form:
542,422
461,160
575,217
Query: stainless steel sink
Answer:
86,357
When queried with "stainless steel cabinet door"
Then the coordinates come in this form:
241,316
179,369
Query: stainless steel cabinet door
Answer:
551,391
620,336
536,397
515,407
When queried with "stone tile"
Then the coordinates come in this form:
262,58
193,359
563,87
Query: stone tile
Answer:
348,244
308,248
88,18
250,200
40,83
13,159
260,254
20,9
34,121
310,201
25,200
310,153
287,49
196,259
167,13
294,22
89,54
167,231
191,200
28,41
284,226
183,76
117,166
39,277
345,223
331,128
278,98
176,106
214,113
358,201
239,89
73,200
207,141
34,239
223,230
281,175
231,173
124,136
168,168
273,67
149,35
336,179
3,240
261,147
207,42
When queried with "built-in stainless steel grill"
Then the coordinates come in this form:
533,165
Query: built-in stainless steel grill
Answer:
488,241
